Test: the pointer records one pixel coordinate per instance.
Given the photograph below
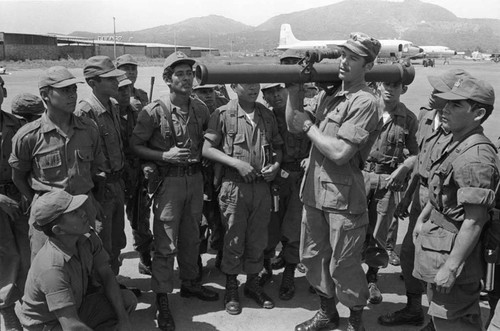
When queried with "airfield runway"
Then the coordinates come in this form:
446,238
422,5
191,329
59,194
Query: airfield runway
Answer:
193,314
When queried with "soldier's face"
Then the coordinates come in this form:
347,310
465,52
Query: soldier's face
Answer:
64,98
247,92
75,222
130,71
207,95
458,116
107,86
391,92
276,97
182,79
124,94
352,66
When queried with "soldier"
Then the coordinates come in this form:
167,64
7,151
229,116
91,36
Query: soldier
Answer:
128,64
334,218
28,106
385,173
57,151
136,198
431,138
285,223
70,262
462,182
101,75
14,240
243,136
169,132
206,93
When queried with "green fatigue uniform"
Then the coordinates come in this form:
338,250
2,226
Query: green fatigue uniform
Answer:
111,196
14,239
431,141
285,224
245,207
467,178
58,279
179,199
396,135
334,219
136,198
55,160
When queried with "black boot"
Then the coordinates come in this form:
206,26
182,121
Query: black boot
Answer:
10,319
266,274
231,298
327,317
355,322
254,291
287,287
371,278
165,318
195,289
145,263
412,314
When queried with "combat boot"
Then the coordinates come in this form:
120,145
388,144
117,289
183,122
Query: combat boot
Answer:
287,287
165,318
375,294
145,263
193,288
279,262
327,317
412,314
266,274
254,291
231,298
355,322
10,319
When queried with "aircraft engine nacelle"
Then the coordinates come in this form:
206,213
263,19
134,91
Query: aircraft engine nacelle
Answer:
320,73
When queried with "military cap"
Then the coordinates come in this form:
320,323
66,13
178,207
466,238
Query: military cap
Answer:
470,88
101,66
57,77
27,104
363,45
270,85
53,204
197,86
125,59
292,54
176,58
123,81
376,257
445,81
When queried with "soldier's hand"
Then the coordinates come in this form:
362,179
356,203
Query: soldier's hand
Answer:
246,171
270,171
176,155
445,279
397,180
10,207
402,208
298,120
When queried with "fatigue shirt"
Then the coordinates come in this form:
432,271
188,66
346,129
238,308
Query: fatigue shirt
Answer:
57,160
59,278
472,180
108,123
139,98
353,116
431,142
247,140
152,127
9,125
128,119
393,139
296,147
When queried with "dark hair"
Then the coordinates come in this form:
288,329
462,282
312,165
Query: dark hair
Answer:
476,105
47,228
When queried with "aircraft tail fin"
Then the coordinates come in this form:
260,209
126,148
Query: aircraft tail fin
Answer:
286,36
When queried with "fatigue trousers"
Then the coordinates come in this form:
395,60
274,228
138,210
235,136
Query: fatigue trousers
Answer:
14,258
285,224
245,211
137,210
407,254
177,213
96,312
330,249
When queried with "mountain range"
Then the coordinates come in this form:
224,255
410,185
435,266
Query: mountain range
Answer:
414,20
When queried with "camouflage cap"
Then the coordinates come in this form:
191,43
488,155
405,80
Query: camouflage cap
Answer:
57,77
101,66
125,59
176,58
27,104
445,81
363,45
470,88
53,204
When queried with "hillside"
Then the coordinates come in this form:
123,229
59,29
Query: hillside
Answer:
420,22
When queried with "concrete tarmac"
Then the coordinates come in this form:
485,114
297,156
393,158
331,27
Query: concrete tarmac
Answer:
191,314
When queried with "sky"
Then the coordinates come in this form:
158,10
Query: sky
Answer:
56,16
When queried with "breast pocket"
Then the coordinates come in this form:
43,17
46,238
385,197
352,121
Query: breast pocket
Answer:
50,166
240,146
84,158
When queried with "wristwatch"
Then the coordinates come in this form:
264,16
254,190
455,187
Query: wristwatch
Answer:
307,125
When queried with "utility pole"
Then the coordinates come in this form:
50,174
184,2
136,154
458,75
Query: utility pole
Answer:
114,37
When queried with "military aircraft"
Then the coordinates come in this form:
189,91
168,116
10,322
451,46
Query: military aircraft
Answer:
390,48
436,52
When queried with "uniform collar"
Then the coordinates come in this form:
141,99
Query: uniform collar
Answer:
97,106
46,125
352,90
65,252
